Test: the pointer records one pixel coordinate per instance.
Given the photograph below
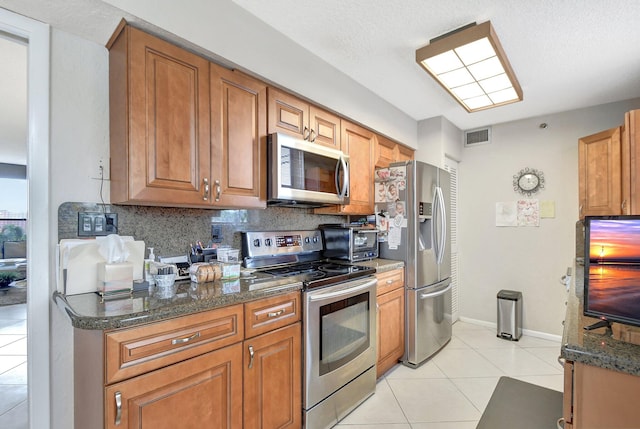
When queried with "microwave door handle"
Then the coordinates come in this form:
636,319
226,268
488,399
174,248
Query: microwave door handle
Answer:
342,192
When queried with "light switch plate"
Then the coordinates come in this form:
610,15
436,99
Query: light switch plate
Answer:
93,224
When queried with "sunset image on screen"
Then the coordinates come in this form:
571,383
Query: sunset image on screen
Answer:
613,283
615,242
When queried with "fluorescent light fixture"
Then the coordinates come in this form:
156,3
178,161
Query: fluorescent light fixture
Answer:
472,66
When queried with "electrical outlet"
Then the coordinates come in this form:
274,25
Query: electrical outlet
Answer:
216,234
91,224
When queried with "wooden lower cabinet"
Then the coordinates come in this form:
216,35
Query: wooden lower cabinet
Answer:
391,324
598,398
272,379
202,392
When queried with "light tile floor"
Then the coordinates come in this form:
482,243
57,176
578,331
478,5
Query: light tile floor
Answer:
449,391
452,389
13,367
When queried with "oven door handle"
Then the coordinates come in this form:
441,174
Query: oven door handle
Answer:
318,296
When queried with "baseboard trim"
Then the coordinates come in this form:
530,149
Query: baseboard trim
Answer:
529,332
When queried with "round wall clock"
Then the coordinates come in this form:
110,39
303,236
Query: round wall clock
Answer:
528,181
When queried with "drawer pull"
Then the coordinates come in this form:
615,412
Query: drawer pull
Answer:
251,353
389,282
276,313
185,339
118,397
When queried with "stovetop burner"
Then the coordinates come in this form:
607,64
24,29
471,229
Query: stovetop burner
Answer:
321,273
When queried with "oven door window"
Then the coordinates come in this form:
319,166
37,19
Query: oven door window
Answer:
344,331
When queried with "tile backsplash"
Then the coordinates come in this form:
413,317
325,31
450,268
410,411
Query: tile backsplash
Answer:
170,231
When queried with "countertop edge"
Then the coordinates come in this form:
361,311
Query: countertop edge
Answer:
137,318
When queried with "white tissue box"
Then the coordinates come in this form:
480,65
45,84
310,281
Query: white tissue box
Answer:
115,278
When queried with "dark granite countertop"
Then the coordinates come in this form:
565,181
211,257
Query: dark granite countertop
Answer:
382,265
91,311
598,347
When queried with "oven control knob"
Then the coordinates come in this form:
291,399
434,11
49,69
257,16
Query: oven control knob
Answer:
267,242
256,242
307,240
315,239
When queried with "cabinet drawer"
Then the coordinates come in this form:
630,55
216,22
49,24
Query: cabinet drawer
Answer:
271,313
134,351
390,280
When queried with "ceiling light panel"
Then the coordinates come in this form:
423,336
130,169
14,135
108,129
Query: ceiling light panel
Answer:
472,66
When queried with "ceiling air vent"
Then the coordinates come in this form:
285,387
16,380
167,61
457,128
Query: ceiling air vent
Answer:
478,136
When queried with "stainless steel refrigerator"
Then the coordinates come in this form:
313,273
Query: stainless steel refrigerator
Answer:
421,238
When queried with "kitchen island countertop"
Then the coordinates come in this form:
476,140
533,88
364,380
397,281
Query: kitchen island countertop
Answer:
597,347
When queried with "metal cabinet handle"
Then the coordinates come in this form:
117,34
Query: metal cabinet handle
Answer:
312,133
275,313
305,133
218,190
206,189
251,354
624,203
389,282
185,339
118,397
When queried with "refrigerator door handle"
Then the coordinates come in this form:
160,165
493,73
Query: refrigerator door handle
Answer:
442,238
436,294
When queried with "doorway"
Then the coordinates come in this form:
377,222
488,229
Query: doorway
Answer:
36,35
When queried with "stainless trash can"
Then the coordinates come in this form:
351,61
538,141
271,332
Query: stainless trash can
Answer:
509,315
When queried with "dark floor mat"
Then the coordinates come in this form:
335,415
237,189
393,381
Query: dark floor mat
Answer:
516,404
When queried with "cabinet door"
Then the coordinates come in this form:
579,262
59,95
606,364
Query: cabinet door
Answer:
325,128
632,144
160,152
599,167
238,139
287,114
202,392
390,330
359,144
273,380
385,151
405,153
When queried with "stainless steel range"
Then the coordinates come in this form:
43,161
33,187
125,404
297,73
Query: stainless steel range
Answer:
339,314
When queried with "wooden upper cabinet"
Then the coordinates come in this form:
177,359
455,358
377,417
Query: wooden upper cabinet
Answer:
631,146
600,173
159,121
325,128
359,144
238,139
291,115
388,151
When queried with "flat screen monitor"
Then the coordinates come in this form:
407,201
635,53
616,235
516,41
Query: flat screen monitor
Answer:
612,269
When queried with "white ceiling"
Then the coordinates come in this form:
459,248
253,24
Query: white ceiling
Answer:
566,54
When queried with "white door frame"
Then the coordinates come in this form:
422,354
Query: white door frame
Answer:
40,251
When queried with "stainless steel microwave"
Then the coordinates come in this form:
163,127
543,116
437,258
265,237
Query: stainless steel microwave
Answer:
305,174
351,243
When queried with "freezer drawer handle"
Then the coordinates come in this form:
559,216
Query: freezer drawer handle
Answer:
435,294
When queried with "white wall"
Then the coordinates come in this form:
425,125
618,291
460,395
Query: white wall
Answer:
527,259
79,139
438,138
